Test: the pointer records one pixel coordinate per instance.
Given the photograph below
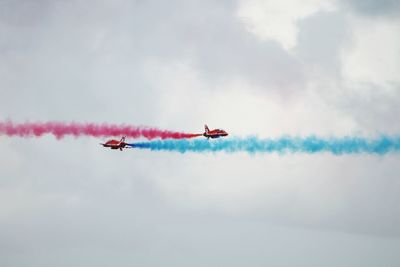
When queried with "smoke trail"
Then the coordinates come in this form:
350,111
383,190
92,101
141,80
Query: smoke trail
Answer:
310,145
61,129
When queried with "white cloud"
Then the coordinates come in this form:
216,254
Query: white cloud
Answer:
373,54
277,19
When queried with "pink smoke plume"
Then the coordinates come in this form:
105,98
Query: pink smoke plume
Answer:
61,129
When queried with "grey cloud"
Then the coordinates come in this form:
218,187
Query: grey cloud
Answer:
375,113
159,241
375,8
320,40
71,203
102,48
23,13
100,214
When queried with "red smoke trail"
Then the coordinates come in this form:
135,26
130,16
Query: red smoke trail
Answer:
61,129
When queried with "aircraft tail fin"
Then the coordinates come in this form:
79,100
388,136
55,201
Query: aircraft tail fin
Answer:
206,128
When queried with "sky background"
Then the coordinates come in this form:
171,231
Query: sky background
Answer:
252,67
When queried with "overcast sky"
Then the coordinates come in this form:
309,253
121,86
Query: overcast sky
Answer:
252,67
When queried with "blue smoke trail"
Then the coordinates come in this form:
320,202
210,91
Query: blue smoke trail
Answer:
310,145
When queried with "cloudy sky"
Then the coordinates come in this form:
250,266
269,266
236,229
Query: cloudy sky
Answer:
253,67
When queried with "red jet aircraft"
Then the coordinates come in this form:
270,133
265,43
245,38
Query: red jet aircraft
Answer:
115,144
216,133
